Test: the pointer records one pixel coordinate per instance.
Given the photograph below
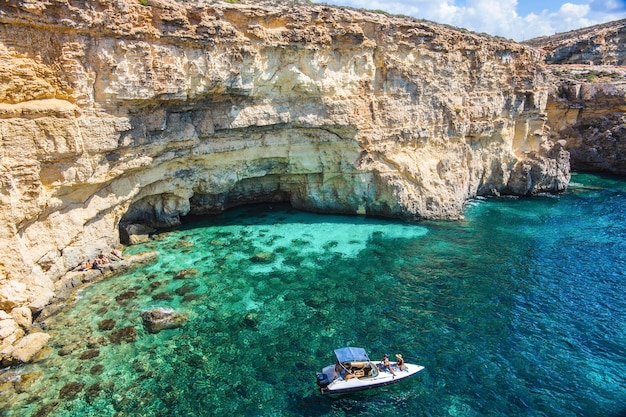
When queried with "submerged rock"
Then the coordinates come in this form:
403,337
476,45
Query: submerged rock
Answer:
71,390
128,295
185,289
24,382
95,341
106,324
162,318
192,297
125,334
162,296
93,391
251,320
46,409
90,354
262,257
184,244
96,369
68,348
186,273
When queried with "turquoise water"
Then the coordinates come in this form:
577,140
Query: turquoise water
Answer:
519,310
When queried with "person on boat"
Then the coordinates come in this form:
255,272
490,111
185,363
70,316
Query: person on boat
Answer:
338,369
341,371
386,365
400,362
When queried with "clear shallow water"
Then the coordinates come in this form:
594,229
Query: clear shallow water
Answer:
518,310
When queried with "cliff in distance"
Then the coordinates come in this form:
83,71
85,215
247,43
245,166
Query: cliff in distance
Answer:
586,109
123,112
603,44
587,100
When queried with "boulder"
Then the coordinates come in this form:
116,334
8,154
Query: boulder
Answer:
8,327
12,294
10,333
39,297
29,346
162,318
136,233
23,316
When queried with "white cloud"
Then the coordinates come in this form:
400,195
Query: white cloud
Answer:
572,16
573,11
500,17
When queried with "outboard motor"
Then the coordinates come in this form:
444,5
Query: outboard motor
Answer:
322,380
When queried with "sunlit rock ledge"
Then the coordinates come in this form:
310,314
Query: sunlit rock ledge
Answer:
116,113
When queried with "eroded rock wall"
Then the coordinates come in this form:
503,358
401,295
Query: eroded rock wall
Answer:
587,100
112,111
587,110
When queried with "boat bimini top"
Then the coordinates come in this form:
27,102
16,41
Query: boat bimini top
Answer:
351,354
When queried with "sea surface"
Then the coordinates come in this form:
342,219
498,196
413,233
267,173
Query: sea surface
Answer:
518,310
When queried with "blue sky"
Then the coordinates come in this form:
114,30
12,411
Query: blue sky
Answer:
519,20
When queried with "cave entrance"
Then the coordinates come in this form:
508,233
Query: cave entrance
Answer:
159,212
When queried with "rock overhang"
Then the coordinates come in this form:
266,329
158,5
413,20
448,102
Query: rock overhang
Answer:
178,108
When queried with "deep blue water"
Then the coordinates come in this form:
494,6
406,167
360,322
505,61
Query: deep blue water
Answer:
519,310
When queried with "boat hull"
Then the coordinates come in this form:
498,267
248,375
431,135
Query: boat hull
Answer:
341,386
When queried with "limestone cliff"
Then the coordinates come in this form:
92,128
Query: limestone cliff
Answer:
587,109
587,102
603,44
123,111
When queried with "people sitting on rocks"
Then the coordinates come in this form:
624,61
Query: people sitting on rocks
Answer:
117,254
88,264
100,261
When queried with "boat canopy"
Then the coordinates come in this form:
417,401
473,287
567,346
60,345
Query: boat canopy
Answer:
351,354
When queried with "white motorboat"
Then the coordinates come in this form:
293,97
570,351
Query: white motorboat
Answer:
354,371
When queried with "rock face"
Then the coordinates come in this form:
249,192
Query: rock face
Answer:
115,113
26,349
603,44
587,109
587,100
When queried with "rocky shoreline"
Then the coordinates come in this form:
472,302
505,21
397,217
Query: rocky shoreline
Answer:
22,335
